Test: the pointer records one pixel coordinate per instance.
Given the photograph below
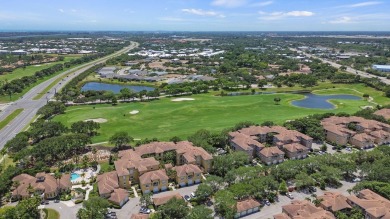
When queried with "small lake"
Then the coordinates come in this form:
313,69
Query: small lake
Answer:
97,86
315,101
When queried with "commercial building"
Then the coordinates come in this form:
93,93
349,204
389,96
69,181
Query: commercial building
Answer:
381,68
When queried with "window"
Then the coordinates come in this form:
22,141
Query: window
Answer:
164,182
155,183
190,177
182,178
131,171
147,185
198,174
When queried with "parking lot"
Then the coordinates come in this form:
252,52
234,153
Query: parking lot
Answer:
133,205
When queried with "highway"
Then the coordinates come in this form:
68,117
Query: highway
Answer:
31,106
349,69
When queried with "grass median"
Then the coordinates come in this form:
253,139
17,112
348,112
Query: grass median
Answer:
10,117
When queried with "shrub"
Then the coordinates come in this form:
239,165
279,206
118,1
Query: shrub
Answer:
79,201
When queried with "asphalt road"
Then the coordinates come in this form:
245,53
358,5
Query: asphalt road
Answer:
349,69
31,106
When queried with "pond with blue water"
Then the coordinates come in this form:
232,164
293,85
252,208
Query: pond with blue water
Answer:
314,101
97,86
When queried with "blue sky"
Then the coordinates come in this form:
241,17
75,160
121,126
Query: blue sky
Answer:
196,15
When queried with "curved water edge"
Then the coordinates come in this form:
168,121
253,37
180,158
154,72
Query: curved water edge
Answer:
99,86
314,101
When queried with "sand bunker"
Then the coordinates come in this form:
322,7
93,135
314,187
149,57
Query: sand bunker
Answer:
182,99
98,120
367,107
134,112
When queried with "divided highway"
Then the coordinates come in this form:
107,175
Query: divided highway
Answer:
349,69
31,106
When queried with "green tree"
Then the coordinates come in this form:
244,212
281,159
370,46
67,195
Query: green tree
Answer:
200,212
225,204
94,208
146,199
120,139
203,191
283,187
277,100
174,208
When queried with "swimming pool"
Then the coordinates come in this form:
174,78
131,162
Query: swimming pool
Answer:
74,176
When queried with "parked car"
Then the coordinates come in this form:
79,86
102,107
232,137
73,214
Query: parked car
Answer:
187,198
192,195
312,189
144,210
357,179
56,201
209,203
289,195
266,202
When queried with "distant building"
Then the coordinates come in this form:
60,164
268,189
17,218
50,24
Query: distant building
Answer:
381,68
107,72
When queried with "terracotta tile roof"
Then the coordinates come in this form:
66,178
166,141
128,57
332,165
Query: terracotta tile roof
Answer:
186,169
123,165
383,112
372,203
306,210
190,150
271,151
335,200
168,166
157,201
119,195
107,182
155,147
245,142
380,134
247,204
281,216
363,137
294,147
139,216
48,185
151,176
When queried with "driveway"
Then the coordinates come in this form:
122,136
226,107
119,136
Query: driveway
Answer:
133,205
65,211
276,208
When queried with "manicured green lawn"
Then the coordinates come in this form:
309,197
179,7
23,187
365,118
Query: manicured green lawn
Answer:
9,118
51,213
30,70
164,119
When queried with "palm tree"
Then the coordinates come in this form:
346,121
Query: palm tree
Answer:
57,176
94,152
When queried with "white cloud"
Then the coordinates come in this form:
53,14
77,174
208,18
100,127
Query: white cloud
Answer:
201,12
229,3
61,10
262,4
281,15
361,4
342,20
